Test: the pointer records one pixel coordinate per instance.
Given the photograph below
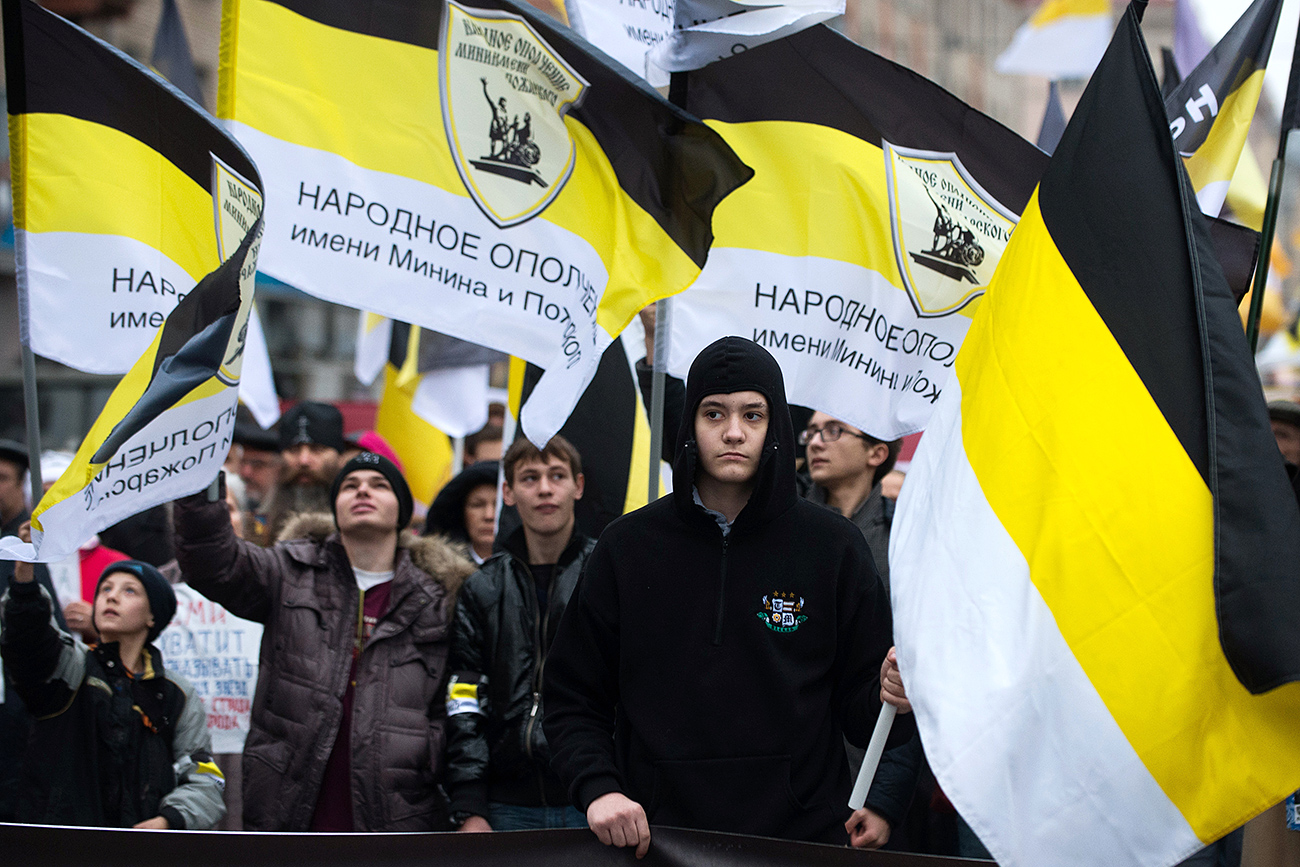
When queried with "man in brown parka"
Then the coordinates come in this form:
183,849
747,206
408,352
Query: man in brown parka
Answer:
347,721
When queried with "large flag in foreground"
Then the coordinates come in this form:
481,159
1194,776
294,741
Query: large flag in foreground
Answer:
1211,109
878,211
474,168
1095,555
106,158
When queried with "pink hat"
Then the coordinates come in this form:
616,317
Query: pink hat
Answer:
373,442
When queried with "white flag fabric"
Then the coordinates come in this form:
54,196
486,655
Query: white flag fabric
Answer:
625,31
373,334
453,399
256,383
1063,39
708,30
111,161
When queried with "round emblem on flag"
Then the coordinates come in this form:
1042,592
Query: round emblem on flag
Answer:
504,94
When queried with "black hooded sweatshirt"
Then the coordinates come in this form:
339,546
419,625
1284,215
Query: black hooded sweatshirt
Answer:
711,678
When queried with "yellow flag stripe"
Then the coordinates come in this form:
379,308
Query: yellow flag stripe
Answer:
816,191
1216,158
409,372
381,110
831,202
638,471
143,196
425,451
1055,10
515,386
125,396
1051,411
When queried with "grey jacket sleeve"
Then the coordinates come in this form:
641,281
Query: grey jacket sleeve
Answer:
197,803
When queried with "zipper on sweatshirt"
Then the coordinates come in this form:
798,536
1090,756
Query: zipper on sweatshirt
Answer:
722,595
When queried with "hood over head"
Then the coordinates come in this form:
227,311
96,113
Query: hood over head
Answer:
725,366
447,511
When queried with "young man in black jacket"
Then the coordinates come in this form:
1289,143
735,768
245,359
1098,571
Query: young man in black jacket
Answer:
723,640
498,764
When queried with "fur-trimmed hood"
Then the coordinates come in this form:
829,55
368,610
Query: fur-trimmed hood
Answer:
433,555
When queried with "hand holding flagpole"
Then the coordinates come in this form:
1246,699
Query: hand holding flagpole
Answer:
893,698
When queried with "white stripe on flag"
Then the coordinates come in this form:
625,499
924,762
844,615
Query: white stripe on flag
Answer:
1069,47
256,381
1017,736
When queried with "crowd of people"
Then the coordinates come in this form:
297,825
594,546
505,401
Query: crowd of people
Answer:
715,660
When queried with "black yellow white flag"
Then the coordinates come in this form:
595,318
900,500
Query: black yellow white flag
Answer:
471,167
878,211
112,185
108,159
1211,109
1062,39
1094,560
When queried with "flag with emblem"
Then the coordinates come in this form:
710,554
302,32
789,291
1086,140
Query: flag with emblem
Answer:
471,167
1211,109
1062,39
112,186
118,177
878,211
1095,554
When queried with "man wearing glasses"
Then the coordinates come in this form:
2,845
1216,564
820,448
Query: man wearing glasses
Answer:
846,466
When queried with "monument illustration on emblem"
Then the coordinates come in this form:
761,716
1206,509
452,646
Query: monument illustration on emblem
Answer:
512,153
954,252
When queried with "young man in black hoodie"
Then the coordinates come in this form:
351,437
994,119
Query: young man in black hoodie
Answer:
723,640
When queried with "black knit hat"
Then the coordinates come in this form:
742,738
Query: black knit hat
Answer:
157,589
312,423
14,452
386,468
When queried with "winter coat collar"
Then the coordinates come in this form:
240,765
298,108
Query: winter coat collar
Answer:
311,536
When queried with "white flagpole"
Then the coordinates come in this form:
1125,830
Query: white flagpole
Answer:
871,760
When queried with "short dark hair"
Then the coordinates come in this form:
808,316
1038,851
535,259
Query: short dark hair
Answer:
895,446
485,434
523,450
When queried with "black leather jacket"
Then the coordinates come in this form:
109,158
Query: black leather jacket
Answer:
496,750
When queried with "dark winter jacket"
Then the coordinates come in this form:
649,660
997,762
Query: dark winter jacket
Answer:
304,592
496,750
108,749
15,721
713,678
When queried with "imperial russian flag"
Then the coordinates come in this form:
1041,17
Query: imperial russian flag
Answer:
1096,558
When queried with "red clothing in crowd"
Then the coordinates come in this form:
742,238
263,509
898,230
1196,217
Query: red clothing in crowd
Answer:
93,562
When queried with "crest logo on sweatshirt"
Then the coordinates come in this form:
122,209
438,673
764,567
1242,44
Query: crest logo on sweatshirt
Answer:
782,612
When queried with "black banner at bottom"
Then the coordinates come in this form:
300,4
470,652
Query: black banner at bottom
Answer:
30,845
